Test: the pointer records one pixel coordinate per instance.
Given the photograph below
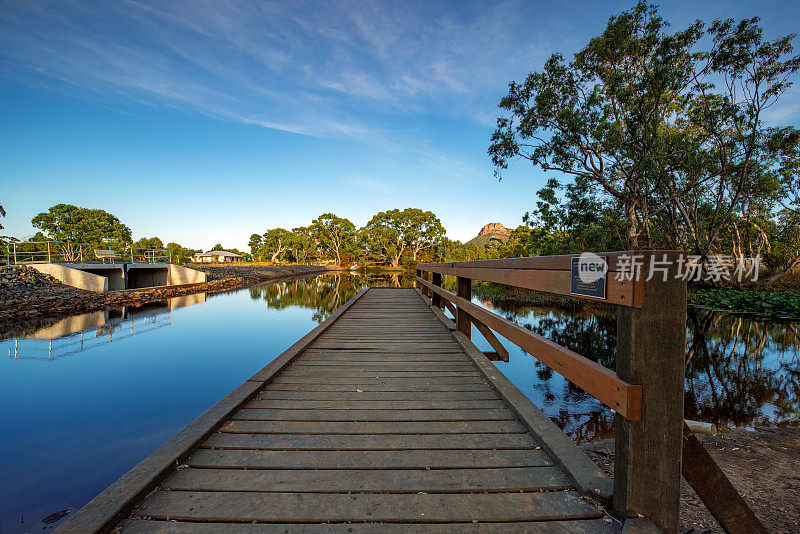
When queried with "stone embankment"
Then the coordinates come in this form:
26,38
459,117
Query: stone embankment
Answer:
30,298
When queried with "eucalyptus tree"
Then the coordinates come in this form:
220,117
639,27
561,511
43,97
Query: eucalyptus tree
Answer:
254,243
735,161
275,242
422,230
389,234
65,222
303,247
599,117
334,235
384,236
673,133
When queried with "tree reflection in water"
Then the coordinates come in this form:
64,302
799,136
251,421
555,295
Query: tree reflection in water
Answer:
739,371
324,293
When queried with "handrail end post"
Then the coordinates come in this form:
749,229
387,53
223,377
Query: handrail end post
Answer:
650,352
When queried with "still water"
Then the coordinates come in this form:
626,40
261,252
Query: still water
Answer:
87,398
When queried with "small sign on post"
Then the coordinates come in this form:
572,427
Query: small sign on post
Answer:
589,276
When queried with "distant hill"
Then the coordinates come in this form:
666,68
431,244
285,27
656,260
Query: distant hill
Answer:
489,231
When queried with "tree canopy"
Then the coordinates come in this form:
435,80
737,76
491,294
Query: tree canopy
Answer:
664,128
335,235
65,222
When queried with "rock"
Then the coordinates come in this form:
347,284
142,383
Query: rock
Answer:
495,230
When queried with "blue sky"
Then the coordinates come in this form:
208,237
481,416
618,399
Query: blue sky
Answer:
202,122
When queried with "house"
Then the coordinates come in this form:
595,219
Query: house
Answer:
221,256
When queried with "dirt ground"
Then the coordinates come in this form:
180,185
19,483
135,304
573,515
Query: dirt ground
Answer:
29,299
764,465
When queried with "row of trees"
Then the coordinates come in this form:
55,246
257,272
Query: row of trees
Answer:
388,238
661,141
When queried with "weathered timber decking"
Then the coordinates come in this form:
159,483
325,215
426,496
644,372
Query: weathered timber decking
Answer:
382,419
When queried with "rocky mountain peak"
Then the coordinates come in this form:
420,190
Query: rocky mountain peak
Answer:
495,230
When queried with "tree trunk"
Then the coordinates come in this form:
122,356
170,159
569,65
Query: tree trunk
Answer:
632,227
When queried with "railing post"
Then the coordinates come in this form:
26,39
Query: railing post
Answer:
651,341
463,320
15,253
48,253
436,279
80,250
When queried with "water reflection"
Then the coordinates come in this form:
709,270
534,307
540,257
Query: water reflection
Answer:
739,371
77,333
324,294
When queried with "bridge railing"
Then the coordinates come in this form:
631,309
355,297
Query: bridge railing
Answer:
646,388
68,252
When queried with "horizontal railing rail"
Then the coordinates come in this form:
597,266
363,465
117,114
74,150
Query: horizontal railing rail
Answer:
598,381
22,252
646,388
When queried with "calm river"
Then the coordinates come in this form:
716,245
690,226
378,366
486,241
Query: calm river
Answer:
87,398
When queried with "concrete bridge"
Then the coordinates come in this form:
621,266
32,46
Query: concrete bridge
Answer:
103,277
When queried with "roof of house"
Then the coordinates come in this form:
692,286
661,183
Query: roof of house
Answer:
218,253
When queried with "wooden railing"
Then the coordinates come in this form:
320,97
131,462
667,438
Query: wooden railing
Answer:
653,445
646,389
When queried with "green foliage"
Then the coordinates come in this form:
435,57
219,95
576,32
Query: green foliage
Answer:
181,254
661,138
2,214
274,243
779,304
391,233
334,236
65,222
254,243
152,243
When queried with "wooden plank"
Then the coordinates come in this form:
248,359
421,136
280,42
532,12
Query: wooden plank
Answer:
379,396
587,477
580,526
362,481
260,414
370,459
603,384
338,372
108,508
395,381
718,494
391,365
365,405
315,507
360,442
407,387
403,427
374,356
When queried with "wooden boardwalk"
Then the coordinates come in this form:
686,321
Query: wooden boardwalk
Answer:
384,419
